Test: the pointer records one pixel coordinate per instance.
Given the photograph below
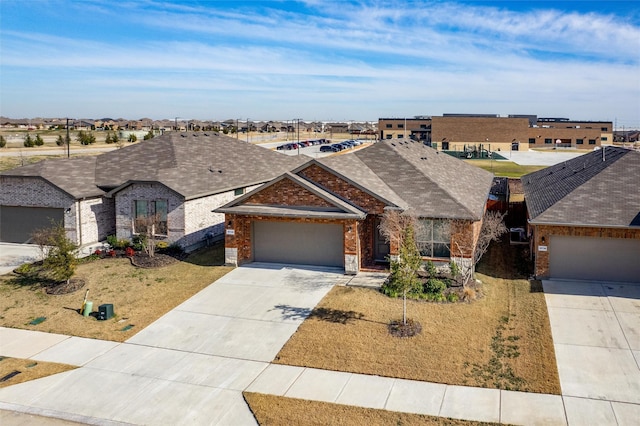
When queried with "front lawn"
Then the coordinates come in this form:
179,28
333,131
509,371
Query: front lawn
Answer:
279,410
15,370
139,296
501,340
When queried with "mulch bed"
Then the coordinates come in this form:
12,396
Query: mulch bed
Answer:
73,285
410,329
159,260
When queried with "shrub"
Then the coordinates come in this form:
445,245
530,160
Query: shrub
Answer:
60,140
3,142
129,252
137,242
452,297
468,294
162,245
430,268
174,249
455,269
118,244
38,141
112,240
25,270
434,286
28,141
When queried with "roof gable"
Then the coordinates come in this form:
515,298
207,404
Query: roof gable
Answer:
350,185
292,195
74,176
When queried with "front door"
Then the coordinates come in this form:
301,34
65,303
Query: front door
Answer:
381,248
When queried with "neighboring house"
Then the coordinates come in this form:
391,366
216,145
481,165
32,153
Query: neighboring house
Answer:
62,191
177,178
328,211
584,215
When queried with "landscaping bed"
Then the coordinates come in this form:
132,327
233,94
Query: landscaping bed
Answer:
502,340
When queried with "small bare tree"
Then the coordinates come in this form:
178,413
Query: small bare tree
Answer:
393,224
404,270
493,228
147,227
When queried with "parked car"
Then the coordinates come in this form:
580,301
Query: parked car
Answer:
328,148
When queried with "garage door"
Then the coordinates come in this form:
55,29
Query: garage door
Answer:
299,243
17,223
600,259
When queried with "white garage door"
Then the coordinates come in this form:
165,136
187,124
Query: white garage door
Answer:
299,243
600,259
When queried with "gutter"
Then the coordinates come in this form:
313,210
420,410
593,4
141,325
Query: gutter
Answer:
583,225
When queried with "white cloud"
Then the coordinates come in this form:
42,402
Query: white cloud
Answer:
348,60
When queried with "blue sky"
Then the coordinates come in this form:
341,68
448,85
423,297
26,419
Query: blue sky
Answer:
319,60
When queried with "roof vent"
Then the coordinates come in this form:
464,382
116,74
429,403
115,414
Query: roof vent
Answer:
183,135
393,144
195,135
206,134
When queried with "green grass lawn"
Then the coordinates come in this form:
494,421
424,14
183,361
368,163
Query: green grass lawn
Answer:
504,168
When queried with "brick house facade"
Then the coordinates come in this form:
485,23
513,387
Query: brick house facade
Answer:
347,192
584,217
95,196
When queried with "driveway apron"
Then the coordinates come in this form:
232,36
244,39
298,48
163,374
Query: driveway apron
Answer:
192,364
596,335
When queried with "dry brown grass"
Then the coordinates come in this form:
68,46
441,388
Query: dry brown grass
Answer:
139,296
502,340
29,370
279,410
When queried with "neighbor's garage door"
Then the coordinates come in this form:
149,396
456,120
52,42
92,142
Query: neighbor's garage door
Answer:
300,243
17,223
601,259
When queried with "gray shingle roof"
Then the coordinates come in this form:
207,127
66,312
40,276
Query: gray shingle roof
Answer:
353,169
601,188
434,184
193,164
75,176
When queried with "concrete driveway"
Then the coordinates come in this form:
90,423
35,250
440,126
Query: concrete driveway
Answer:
188,367
14,255
596,335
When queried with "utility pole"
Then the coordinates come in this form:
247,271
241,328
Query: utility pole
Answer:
68,141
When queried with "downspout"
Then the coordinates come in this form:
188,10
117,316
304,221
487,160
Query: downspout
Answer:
79,222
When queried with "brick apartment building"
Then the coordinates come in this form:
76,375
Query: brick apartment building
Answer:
516,132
